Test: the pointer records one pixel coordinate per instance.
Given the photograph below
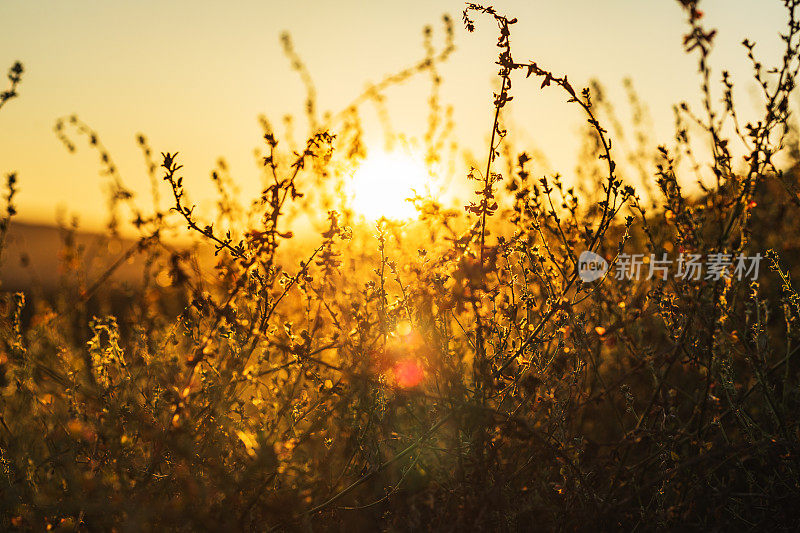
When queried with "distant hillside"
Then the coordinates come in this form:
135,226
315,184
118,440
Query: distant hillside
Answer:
36,255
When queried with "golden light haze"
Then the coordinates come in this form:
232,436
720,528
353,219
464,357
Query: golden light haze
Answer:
193,76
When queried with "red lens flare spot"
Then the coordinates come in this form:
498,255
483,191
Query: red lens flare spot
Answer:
408,373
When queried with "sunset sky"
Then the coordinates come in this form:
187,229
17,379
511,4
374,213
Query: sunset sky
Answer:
193,76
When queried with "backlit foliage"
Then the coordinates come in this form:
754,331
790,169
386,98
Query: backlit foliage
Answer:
450,372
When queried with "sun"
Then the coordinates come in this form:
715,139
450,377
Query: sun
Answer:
383,183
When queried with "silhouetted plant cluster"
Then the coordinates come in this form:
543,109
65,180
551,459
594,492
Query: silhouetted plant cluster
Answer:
455,372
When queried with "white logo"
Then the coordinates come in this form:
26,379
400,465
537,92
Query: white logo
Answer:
591,266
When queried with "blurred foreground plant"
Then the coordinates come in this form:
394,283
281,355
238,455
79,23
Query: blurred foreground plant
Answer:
450,373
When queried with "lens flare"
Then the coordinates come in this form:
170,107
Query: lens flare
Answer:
408,373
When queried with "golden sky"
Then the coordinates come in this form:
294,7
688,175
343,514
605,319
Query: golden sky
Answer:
194,75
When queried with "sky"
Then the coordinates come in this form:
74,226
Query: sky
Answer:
194,75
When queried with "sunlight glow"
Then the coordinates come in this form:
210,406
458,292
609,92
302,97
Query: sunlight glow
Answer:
382,184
